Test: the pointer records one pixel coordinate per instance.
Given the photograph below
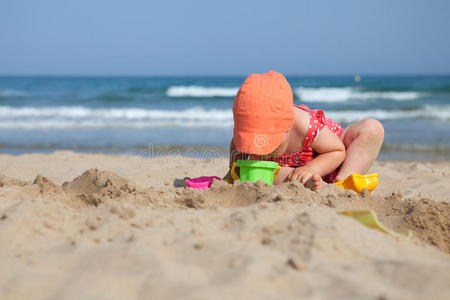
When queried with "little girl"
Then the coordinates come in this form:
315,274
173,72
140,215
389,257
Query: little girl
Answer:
309,147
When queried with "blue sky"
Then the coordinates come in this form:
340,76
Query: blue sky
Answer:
138,37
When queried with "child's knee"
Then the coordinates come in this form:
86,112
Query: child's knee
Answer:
372,128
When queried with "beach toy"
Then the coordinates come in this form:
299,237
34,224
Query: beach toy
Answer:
254,170
201,183
359,182
369,218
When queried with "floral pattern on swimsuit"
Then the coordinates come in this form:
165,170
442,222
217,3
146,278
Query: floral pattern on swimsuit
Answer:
305,154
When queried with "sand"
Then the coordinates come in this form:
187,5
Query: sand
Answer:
84,226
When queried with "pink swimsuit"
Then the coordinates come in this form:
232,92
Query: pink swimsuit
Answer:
306,153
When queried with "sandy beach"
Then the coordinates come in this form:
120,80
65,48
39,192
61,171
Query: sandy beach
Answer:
93,226
108,107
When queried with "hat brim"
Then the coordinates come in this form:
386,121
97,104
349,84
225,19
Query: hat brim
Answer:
257,144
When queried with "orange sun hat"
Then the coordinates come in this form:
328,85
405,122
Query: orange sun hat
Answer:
263,112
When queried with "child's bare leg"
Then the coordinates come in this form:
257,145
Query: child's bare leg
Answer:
362,142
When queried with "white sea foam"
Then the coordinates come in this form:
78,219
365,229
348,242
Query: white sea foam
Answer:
80,112
200,91
344,94
428,112
84,117
72,124
306,94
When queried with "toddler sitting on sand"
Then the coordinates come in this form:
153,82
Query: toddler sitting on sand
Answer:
309,147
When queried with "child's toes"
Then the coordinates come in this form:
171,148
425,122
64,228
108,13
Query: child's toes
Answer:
318,182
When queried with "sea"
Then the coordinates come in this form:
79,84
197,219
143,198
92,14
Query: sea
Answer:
192,115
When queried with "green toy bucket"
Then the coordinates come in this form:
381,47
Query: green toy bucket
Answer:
254,170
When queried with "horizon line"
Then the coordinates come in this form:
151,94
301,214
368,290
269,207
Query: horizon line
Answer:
230,75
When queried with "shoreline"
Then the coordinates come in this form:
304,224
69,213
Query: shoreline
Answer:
388,152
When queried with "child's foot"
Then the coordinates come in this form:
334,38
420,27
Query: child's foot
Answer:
315,182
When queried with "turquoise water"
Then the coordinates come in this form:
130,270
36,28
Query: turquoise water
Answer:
129,114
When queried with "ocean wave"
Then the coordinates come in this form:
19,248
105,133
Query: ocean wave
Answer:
306,94
12,93
343,94
427,112
84,117
200,91
417,148
80,112
74,124
198,117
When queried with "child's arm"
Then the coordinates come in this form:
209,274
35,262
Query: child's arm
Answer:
331,152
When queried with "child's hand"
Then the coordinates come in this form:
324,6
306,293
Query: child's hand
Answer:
228,178
302,174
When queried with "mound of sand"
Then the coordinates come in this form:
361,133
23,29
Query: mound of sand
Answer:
118,234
